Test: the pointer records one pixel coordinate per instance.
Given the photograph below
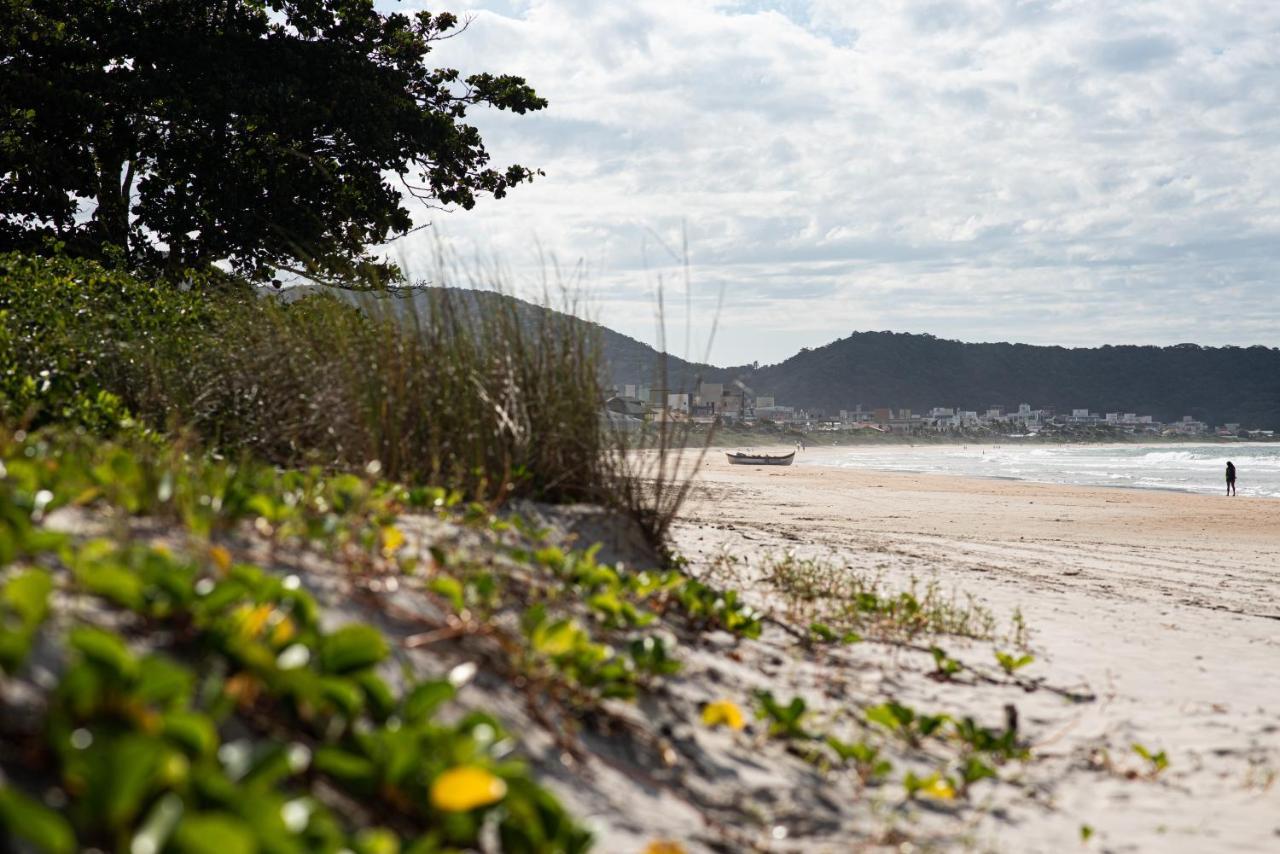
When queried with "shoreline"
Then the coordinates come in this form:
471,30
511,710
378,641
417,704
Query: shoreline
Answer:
802,461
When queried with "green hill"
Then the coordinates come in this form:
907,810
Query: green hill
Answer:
1212,384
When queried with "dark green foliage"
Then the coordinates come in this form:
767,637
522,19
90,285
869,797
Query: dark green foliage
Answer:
905,721
783,721
491,404
259,133
1001,745
1213,384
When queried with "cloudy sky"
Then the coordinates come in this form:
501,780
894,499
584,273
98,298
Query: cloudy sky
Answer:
1072,172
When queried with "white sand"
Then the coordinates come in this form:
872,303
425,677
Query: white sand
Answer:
1166,605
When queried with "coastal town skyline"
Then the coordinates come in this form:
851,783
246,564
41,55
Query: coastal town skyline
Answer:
718,402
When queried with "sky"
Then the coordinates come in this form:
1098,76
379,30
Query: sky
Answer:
1044,171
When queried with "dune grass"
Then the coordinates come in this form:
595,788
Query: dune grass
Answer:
476,391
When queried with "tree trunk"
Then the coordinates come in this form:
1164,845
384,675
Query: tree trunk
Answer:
111,219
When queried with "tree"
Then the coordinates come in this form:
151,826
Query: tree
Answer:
267,134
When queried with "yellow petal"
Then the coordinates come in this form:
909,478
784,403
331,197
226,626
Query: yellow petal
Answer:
466,788
724,712
221,557
938,788
283,632
252,620
664,846
392,540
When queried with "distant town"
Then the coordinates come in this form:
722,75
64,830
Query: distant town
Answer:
633,404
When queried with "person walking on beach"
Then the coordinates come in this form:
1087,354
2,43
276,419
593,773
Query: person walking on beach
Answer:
1231,478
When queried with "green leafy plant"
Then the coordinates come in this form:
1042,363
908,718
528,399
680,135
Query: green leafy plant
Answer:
866,758
784,721
218,736
1003,745
720,608
1010,663
935,786
825,634
1157,761
944,666
905,721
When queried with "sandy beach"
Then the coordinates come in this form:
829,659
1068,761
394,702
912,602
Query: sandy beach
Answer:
1165,605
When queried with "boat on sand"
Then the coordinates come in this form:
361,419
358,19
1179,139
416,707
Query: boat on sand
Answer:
741,458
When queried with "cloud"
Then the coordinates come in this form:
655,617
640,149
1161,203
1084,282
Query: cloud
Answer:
1051,171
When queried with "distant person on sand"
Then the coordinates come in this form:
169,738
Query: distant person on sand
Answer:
1231,478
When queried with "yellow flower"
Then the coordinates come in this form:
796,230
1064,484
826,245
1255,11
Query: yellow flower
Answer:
283,632
392,540
939,788
466,788
664,846
723,712
252,620
221,557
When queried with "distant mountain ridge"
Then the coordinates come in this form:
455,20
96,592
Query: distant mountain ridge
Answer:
903,370
1217,385
1212,384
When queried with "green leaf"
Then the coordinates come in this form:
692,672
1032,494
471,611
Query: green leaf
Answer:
348,767
193,731
352,648
888,715
159,824
25,819
343,693
557,638
27,595
105,650
975,769
822,632
425,698
377,840
1009,663
214,833
450,588
24,602
121,776
162,682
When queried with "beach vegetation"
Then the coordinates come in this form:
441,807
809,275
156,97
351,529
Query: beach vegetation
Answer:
867,759
1010,663
1157,760
197,677
485,398
935,786
217,670
1000,745
846,601
944,666
904,721
783,720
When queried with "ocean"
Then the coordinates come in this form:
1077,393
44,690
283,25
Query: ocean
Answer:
1183,468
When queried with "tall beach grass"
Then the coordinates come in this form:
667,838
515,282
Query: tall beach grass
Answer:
467,388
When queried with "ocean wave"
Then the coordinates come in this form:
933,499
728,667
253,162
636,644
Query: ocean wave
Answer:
1186,469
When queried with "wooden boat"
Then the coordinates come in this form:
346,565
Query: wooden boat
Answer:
745,459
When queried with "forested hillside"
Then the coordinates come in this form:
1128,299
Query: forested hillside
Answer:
1213,384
